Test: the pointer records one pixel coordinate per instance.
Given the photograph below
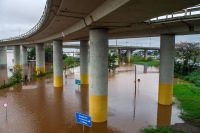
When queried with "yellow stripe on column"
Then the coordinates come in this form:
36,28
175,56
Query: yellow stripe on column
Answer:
58,81
165,94
84,78
98,108
40,70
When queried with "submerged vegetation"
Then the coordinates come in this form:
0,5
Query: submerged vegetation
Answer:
159,130
189,97
14,79
112,61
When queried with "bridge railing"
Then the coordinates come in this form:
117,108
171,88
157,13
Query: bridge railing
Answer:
191,13
35,28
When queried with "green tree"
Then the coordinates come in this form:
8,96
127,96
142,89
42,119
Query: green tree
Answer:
49,54
70,62
112,61
31,53
187,53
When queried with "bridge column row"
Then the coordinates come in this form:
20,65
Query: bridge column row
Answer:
16,56
129,56
98,73
3,56
84,62
24,55
40,58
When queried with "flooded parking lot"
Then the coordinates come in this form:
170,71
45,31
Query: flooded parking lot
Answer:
38,107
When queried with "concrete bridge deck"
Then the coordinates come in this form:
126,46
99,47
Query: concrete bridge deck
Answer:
71,20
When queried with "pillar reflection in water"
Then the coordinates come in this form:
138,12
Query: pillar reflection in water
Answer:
164,113
84,98
98,128
145,68
3,74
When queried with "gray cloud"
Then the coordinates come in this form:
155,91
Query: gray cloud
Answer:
18,16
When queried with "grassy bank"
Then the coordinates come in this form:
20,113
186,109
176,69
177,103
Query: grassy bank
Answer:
140,60
189,97
194,77
159,130
14,79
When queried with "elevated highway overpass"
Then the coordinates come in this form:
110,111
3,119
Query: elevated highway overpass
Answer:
93,22
71,20
131,47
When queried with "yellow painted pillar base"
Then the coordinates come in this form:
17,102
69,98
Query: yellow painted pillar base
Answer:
165,94
58,81
98,108
84,78
40,70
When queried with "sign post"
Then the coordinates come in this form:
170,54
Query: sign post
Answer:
83,119
5,105
78,82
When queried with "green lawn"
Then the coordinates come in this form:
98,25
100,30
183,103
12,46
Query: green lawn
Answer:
140,60
159,130
194,77
189,97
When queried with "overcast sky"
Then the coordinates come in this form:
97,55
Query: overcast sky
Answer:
18,16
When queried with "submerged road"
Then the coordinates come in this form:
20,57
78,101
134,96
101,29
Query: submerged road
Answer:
37,107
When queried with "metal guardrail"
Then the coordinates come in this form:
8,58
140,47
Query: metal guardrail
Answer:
188,13
35,28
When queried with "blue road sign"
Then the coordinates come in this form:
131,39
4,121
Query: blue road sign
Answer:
78,82
83,119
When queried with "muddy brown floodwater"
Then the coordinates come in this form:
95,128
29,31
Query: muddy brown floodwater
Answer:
38,107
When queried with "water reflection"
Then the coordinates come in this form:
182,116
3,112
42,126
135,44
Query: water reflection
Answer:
145,68
41,108
3,74
164,115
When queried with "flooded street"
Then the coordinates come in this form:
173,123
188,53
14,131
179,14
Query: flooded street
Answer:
38,107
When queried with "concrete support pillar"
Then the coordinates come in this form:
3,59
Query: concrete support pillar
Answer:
84,62
57,63
3,56
167,49
119,56
17,56
24,55
3,64
40,58
129,56
145,54
98,75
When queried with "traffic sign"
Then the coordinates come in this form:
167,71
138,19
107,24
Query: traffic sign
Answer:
78,82
83,119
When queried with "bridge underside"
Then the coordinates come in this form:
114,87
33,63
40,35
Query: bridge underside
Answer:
71,19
